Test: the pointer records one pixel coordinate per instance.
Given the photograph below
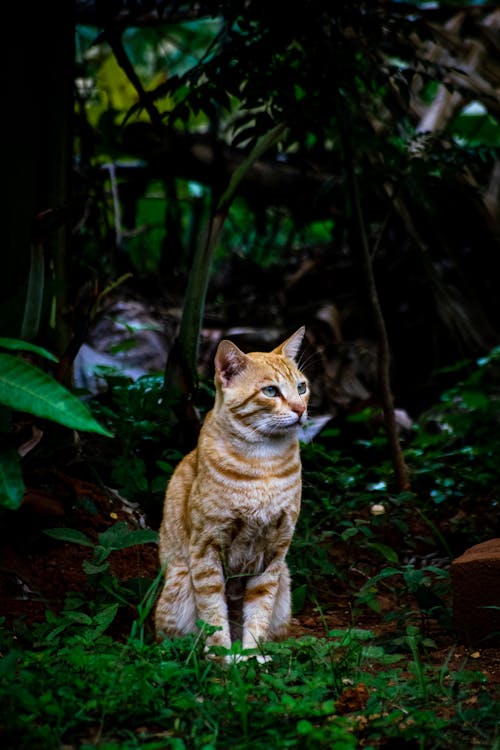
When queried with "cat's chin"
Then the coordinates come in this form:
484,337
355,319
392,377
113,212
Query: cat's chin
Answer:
283,431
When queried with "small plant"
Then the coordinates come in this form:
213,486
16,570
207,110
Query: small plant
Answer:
117,537
140,415
96,611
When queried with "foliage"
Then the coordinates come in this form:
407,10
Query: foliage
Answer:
460,435
453,455
145,451
27,388
348,688
354,530
115,538
92,611
169,695
225,75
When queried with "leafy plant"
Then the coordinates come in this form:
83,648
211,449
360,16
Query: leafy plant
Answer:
117,537
140,415
29,389
454,453
96,609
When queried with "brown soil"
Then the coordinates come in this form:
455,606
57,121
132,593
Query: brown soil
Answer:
37,571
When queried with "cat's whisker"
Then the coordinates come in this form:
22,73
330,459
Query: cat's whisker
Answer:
307,359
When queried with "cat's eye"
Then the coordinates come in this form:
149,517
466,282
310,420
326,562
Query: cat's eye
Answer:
301,388
271,390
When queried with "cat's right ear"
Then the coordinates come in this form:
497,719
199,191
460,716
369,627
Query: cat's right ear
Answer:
229,362
290,347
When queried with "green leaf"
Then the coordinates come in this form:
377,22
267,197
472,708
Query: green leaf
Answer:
139,536
304,727
34,292
119,537
348,533
299,598
91,569
69,535
476,400
81,618
105,617
11,480
27,388
388,552
24,346
265,142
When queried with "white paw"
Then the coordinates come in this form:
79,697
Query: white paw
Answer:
238,658
263,658
209,653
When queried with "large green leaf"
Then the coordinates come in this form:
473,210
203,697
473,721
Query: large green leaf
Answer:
11,481
27,388
25,346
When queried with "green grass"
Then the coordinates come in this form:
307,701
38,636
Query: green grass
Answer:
79,691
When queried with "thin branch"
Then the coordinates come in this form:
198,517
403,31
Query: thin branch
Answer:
383,351
115,41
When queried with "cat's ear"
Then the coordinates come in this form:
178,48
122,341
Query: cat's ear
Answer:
229,361
290,347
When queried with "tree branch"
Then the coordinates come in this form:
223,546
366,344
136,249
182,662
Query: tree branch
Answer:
383,351
95,13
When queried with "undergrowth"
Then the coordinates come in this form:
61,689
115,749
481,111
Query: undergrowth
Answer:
342,691
68,683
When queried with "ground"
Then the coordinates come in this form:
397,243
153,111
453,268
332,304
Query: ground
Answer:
37,571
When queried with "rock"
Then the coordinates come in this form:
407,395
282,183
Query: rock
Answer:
475,581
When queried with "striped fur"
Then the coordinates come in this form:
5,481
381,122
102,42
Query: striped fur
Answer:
232,503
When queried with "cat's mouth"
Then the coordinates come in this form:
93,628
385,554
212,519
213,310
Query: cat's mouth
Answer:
286,427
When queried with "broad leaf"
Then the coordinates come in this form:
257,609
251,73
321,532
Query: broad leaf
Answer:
27,388
69,535
24,346
11,481
120,536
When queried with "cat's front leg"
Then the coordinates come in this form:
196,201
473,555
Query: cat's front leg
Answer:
267,600
176,609
209,589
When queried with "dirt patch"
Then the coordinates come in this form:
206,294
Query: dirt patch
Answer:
37,571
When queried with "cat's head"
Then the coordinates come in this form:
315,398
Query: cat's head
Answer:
265,393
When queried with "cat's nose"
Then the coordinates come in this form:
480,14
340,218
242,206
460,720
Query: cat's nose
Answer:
299,409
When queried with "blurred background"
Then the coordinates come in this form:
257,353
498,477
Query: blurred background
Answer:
369,126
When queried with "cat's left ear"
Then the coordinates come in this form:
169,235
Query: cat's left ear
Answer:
229,361
290,347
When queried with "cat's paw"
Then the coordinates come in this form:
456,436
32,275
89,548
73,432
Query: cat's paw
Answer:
238,658
226,656
235,658
263,658
214,653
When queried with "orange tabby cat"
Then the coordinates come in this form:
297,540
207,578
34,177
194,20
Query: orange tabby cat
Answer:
232,503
